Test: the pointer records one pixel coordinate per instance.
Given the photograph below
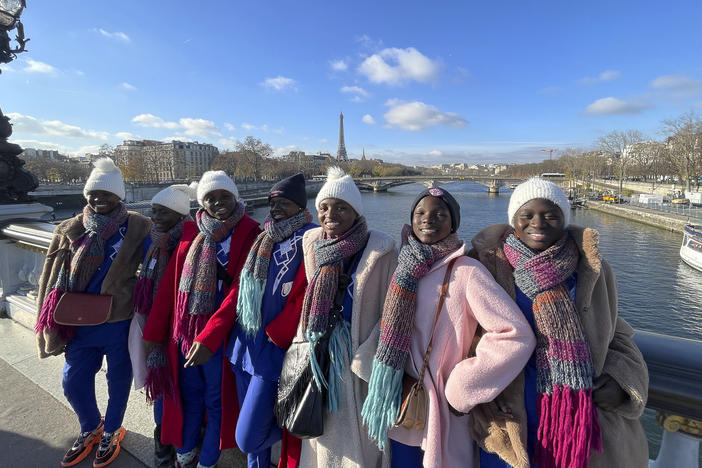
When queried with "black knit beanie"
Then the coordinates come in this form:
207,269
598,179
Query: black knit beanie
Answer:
292,188
447,198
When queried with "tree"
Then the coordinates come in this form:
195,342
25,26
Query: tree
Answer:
618,146
685,144
251,152
225,161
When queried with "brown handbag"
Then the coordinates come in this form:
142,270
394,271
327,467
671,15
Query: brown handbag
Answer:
413,412
81,309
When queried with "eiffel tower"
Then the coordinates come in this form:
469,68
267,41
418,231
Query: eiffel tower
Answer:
341,152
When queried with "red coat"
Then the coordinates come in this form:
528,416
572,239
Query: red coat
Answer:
160,323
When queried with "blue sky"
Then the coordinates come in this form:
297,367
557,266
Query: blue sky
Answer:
418,82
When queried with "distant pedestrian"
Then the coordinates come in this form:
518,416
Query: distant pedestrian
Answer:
271,291
97,252
578,401
421,333
193,314
169,212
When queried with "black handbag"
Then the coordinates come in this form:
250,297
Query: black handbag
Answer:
299,404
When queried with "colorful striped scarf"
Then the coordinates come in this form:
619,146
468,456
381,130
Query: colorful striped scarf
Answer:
86,254
318,301
196,299
568,425
382,405
255,272
154,265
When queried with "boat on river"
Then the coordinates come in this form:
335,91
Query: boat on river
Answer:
691,248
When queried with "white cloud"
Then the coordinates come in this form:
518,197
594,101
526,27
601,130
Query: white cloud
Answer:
367,42
152,121
415,116
613,106
435,153
120,36
125,136
34,66
283,150
395,66
279,83
199,127
128,87
31,125
6,68
677,82
338,65
227,143
607,75
229,126
247,126
323,140
358,93
368,119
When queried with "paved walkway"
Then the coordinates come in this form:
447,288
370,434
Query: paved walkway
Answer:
37,424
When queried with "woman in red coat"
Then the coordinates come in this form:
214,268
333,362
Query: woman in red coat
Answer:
195,308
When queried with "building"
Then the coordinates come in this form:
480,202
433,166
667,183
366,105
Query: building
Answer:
309,163
41,154
157,161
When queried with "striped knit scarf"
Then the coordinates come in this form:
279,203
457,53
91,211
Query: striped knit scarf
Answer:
154,265
318,301
382,405
196,299
86,253
255,272
568,425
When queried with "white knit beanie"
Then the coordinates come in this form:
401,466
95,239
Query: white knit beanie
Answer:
340,185
105,176
538,188
215,180
176,197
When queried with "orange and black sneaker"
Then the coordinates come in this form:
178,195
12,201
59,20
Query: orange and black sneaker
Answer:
82,447
109,447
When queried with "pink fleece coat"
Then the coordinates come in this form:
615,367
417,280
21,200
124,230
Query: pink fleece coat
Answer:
473,298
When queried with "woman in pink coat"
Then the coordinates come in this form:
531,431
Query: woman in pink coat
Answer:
454,382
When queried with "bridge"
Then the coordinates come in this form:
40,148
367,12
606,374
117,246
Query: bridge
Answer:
382,184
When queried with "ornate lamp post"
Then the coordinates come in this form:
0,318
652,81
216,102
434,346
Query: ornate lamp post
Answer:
15,181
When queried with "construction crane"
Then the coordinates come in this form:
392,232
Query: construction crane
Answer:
549,151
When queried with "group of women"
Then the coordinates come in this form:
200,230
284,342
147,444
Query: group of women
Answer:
516,340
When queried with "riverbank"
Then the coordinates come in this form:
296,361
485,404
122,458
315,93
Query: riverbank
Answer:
669,221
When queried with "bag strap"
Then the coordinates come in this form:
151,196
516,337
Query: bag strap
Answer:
444,288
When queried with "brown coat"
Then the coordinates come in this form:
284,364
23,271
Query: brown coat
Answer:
119,281
614,357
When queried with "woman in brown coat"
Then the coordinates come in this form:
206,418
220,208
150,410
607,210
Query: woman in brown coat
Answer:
578,401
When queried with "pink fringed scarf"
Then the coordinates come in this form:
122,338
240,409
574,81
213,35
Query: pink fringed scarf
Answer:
569,429
196,300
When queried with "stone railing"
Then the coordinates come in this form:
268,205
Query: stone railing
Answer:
675,364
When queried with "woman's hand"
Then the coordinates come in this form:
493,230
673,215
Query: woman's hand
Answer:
607,393
197,355
149,346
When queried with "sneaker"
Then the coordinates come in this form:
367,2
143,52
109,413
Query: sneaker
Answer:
82,447
109,447
164,455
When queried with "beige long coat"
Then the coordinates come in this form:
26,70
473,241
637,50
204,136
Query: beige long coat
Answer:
614,356
345,442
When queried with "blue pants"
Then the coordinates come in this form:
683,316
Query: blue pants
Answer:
200,392
158,411
84,354
406,456
256,429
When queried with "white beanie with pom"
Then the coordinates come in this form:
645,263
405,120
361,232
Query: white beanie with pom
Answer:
538,188
176,197
215,180
105,176
340,185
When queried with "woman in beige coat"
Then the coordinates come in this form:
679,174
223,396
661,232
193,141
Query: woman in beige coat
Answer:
344,244
557,276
